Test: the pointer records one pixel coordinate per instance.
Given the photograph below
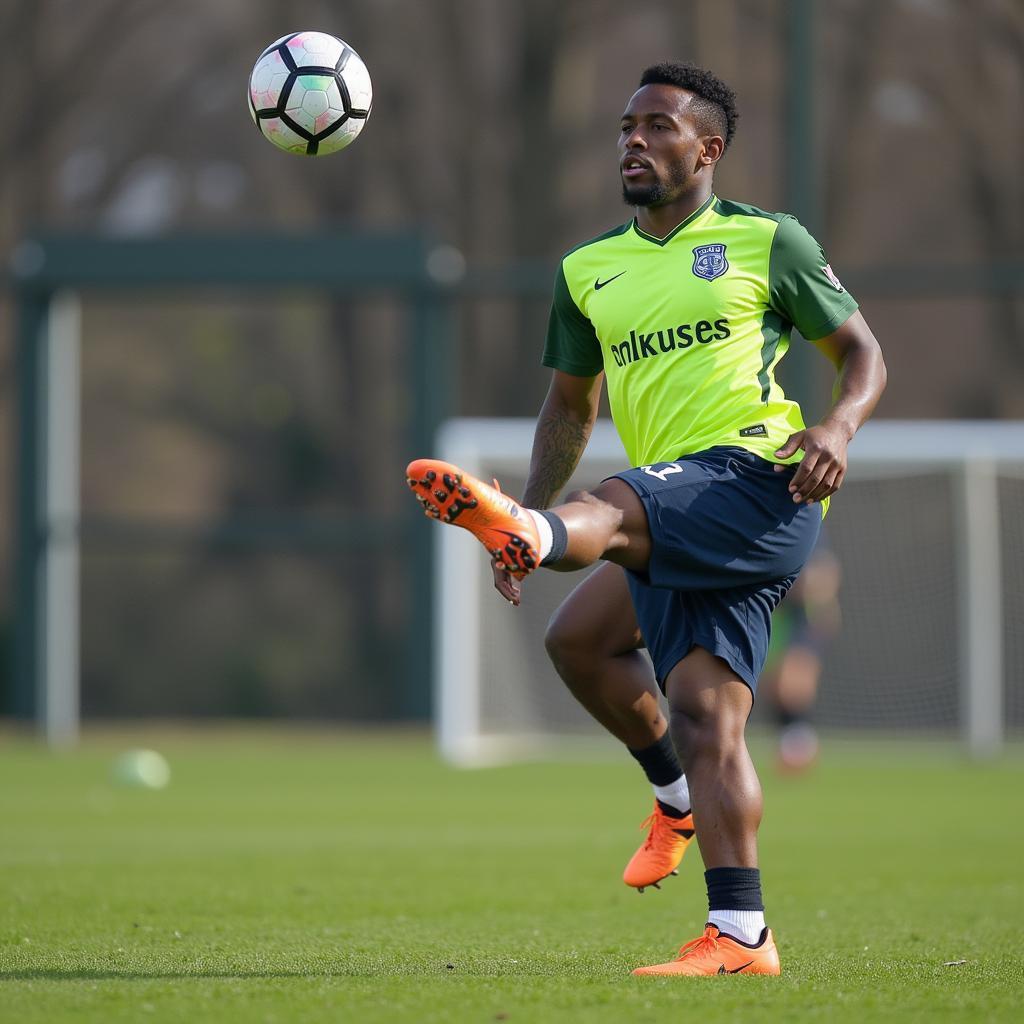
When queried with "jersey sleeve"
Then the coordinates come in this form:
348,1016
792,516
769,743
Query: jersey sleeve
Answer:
802,286
571,344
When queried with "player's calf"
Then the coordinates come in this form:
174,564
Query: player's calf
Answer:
608,523
592,641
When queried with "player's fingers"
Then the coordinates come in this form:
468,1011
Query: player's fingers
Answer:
825,486
799,485
504,583
791,447
810,489
816,472
835,482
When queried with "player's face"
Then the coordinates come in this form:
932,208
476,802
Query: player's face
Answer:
659,146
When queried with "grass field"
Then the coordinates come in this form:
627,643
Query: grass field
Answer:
288,876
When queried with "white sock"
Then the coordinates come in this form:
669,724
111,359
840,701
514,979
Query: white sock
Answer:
676,794
543,532
745,925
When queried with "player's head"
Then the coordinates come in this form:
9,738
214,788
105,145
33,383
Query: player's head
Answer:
676,126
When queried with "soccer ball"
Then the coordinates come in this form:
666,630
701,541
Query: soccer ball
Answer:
145,769
310,93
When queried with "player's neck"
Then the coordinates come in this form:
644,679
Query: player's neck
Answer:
660,221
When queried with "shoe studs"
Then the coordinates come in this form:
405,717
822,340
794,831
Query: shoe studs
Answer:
656,885
453,491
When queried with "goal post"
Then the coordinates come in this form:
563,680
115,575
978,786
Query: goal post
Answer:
478,723
49,275
928,531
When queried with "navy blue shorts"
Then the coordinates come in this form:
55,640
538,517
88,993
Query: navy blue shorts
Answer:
727,543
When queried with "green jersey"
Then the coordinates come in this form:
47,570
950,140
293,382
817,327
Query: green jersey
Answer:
689,328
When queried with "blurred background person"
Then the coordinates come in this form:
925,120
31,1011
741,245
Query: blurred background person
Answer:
803,627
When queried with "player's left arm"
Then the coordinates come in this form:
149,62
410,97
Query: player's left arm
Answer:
860,381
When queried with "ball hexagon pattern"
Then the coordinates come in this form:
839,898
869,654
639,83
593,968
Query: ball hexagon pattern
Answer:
315,50
268,78
310,93
315,103
282,136
357,80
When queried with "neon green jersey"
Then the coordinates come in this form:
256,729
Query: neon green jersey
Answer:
689,328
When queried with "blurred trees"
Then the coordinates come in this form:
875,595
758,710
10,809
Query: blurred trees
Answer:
493,129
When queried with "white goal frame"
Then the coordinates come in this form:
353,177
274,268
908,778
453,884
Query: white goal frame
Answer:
975,451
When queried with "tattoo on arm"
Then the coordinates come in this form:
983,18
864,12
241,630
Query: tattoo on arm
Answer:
558,445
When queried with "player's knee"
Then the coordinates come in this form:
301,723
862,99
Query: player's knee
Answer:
567,642
715,733
609,513
576,648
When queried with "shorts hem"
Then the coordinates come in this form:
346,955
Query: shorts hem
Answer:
719,649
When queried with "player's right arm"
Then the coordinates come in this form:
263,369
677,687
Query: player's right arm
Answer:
564,427
573,352
566,419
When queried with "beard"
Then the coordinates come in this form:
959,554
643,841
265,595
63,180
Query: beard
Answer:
664,190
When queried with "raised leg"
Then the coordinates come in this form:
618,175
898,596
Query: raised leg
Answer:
608,522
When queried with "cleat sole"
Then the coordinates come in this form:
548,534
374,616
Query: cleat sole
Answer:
655,884
446,496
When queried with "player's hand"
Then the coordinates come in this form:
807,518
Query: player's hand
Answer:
823,467
506,584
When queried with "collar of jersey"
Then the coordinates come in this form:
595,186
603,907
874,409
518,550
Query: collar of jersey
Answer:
679,227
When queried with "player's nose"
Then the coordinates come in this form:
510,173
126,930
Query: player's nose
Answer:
634,141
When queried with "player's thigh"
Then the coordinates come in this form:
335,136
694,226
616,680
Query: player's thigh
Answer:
597,618
634,528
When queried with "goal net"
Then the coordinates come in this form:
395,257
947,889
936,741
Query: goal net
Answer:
929,532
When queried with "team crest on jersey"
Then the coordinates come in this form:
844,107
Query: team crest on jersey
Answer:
709,261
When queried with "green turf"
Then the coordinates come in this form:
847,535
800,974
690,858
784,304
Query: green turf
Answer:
292,877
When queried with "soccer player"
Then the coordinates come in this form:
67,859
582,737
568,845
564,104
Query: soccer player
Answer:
685,311
803,626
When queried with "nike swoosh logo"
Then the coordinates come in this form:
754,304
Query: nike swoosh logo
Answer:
722,970
599,284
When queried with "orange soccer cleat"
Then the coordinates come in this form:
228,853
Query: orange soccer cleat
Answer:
501,524
715,953
662,850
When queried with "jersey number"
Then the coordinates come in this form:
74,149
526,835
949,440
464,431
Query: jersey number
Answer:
670,468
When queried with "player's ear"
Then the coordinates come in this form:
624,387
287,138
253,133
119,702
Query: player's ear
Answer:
714,147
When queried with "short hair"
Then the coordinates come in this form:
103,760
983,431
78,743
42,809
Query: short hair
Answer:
715,106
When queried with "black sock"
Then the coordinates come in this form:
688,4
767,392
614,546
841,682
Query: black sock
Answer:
734,889
659,761
787,717
559,537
